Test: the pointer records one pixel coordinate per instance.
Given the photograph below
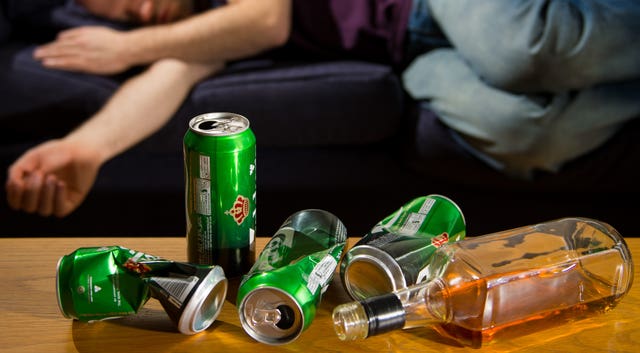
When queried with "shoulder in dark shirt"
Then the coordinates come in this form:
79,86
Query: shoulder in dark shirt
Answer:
372,30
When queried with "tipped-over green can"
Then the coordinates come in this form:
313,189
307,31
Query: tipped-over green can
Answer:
393,254
96,283
277,299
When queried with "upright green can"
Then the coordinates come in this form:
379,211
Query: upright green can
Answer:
220,191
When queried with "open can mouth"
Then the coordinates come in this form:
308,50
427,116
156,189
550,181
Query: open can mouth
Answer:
271,315
368,271
219,124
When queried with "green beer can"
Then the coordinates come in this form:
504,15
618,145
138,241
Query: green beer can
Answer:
394,253
96,283
220,191
277,299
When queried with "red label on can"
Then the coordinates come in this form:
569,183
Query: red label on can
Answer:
440,239
240,209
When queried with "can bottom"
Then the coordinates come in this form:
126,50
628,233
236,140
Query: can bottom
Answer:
205,304
64,269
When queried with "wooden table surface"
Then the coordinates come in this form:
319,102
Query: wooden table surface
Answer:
31,322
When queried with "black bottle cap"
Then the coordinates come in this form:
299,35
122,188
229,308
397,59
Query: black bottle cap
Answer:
385,313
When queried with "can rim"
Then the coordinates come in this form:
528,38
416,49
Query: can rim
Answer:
265,338
192,319
377,257
60,299
193,123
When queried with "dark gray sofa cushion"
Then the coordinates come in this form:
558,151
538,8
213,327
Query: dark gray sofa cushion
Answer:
309,103
40,103
333,103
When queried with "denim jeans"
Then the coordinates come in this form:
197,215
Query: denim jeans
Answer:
528,84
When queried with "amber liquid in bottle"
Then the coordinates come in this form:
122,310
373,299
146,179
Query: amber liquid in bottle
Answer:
503,285
505,306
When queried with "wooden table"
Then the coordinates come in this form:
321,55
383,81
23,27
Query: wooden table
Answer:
31,321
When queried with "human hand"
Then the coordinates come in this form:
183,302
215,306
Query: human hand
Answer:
96,50
52,178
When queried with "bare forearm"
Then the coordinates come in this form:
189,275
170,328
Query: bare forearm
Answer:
140,107
237,30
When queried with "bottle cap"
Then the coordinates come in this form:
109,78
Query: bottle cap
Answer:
385,313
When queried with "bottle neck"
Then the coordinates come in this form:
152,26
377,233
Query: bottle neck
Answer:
415,306
425,303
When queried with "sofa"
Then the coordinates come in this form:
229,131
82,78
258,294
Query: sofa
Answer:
339,135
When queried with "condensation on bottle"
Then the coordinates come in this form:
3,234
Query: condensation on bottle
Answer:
502,285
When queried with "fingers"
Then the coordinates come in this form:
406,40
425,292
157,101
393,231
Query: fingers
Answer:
23,191
61,200
36,181
36,193
14,189
47,196
64,63
70,33
31,194
17,180
60,56
63,45
66,52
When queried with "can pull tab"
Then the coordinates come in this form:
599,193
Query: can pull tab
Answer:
221,125
208,125
281,316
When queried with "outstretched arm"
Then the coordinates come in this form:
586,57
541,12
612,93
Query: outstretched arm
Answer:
141,106
55,177
238,30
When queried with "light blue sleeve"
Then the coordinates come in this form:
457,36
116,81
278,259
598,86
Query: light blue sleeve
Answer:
532,84
544,45
513,132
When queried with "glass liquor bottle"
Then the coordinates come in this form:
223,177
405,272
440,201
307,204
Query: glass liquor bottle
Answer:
504,284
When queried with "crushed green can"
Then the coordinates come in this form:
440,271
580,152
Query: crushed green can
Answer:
394,253
96,283
278,297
